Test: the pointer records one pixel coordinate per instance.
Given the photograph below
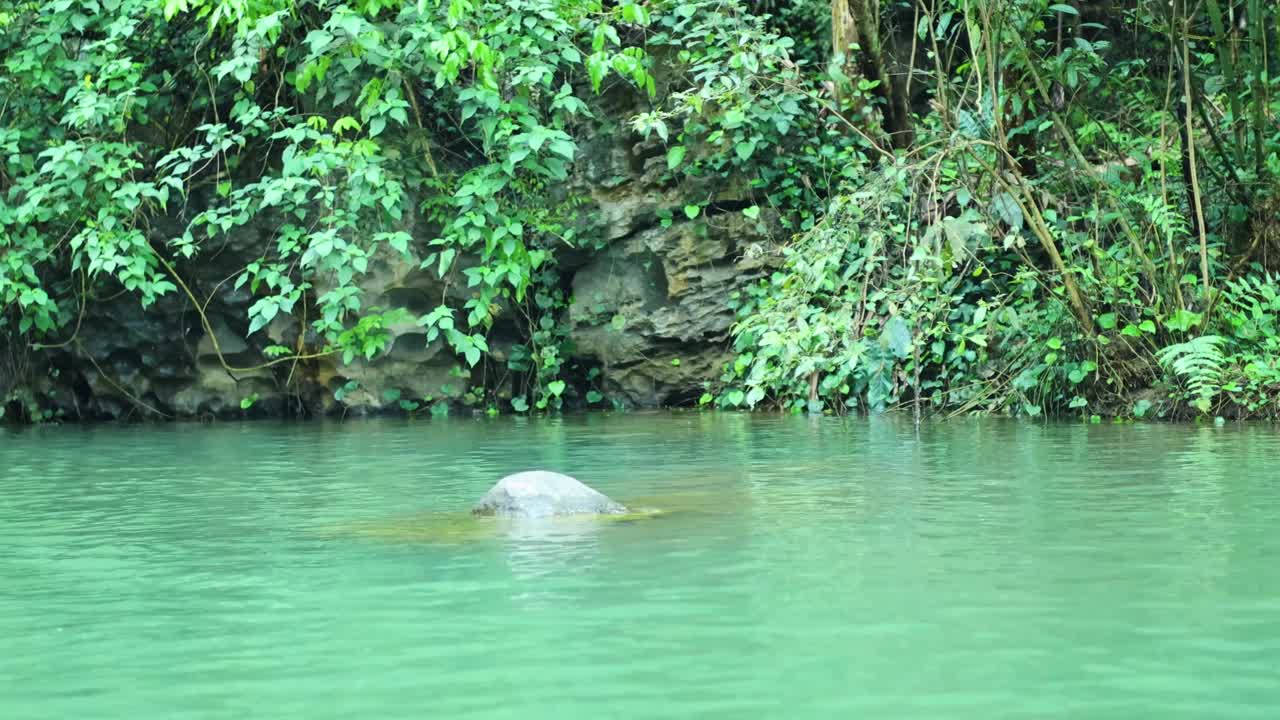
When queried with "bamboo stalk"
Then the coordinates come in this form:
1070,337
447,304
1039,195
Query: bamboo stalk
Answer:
1258,81
1227,61
1191,157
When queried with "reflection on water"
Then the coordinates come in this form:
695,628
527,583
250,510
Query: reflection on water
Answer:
800,568
540,549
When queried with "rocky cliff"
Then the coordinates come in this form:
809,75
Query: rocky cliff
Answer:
648,308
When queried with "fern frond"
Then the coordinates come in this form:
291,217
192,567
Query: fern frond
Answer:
1255,297
1199,362
1165,218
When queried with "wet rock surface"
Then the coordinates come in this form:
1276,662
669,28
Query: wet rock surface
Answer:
649,293
540,494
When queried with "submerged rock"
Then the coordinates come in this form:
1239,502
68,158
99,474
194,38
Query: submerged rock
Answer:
538,493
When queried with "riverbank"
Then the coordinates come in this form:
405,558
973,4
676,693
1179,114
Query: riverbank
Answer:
722,203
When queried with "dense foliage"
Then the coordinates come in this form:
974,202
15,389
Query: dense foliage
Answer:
1084,219
995,205
316,119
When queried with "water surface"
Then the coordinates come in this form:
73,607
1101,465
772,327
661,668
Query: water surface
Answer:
846,568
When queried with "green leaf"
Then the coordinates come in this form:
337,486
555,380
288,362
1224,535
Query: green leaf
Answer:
691,211
1131,331
1008,210
896,336
594,397
563,148
752,212
733,119
970,125
344,124
1065,9
1182,320
266,310
597,67
555,387
446,259
706,398
675,155
519,404
1147,326
350,387
1107,321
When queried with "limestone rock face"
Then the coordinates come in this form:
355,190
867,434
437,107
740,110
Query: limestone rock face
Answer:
163,362
652,308
540,494
649,291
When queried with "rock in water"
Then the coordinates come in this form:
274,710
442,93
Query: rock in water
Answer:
537,493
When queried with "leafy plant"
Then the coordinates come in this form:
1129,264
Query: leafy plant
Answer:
1199,363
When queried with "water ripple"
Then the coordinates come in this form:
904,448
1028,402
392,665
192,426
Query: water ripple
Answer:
808,569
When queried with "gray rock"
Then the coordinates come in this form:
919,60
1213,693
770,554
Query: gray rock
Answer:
538,493
652,309
649,307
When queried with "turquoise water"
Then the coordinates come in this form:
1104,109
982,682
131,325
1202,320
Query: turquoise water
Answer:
808,569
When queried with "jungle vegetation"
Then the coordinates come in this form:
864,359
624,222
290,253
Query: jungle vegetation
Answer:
1000,206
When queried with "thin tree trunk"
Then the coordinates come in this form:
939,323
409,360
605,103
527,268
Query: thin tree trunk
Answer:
1194,177
857,23
1259,82
1227,61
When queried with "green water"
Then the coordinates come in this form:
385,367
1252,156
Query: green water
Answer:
845,569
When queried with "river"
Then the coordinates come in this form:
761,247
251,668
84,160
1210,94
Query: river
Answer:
807,568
